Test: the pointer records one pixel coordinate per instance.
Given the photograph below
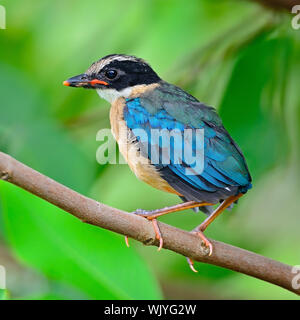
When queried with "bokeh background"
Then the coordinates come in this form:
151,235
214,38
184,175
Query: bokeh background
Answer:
238,56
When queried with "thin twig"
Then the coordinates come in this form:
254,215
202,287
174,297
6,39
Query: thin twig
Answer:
133,226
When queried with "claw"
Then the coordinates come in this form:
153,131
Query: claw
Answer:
150,215
206,242
127,241
157,234
191,264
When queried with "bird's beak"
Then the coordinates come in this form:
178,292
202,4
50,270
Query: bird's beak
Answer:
84,81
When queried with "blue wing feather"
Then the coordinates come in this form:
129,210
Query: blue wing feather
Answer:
224,165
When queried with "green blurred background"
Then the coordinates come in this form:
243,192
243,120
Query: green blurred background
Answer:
238,56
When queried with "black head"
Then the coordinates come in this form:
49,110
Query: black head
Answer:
116,71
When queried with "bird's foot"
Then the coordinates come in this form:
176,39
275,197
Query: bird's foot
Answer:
158,235
205,242
150,215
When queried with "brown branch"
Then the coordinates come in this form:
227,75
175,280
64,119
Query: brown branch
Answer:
182,242
279,4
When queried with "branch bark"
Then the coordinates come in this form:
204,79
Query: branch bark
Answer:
138,228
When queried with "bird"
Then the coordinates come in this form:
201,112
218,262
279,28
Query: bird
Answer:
143,102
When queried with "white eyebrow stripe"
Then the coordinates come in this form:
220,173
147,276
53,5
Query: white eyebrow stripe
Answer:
99,65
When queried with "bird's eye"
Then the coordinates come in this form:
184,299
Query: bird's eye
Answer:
111,74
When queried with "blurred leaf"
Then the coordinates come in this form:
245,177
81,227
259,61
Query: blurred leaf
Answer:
30,134
46,296
3,294
255,127
94,260
33,137
128,193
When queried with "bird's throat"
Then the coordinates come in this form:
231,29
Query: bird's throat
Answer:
111,95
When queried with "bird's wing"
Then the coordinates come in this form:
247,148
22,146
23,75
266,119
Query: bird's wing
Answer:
224,172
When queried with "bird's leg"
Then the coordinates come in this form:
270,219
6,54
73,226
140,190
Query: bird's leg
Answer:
200,229
153,214
225,204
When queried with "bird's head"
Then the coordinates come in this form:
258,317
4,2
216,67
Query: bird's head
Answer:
115,76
